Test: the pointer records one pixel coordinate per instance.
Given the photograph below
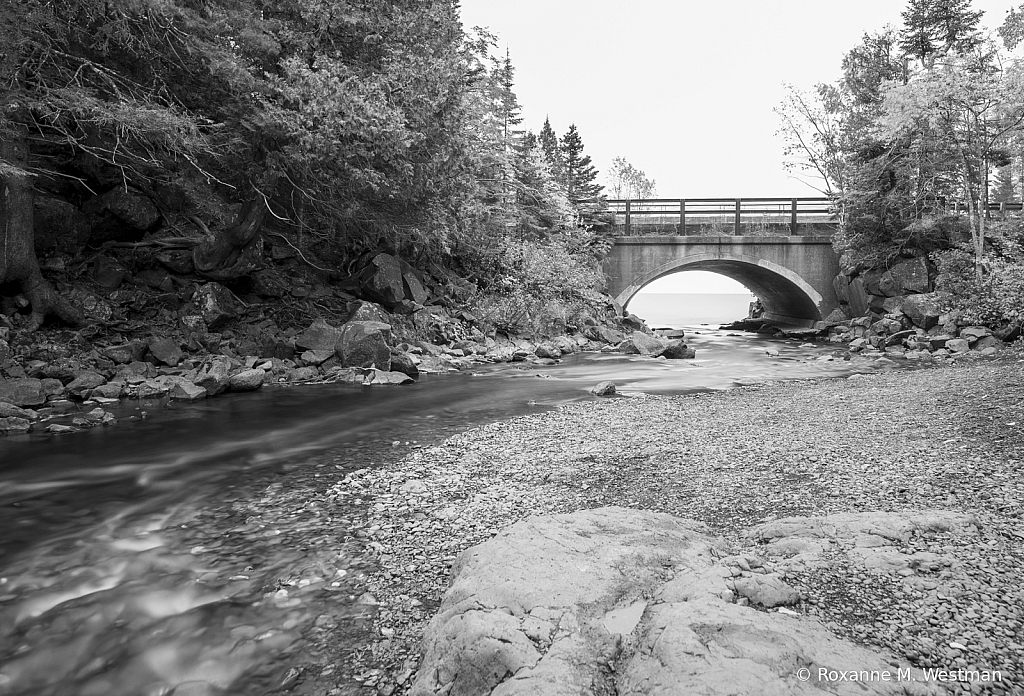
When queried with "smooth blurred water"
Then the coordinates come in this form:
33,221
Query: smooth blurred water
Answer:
132,561
677,310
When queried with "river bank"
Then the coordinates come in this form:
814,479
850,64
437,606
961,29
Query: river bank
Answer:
943,438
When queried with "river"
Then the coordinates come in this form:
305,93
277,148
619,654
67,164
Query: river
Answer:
148,558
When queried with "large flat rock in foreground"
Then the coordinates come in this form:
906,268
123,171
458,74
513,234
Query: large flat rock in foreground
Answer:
621,601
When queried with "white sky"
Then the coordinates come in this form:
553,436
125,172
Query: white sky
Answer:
683,89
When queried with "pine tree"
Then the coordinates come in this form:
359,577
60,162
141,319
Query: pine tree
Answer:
507,103
552,151
580,175
934,26
1003,188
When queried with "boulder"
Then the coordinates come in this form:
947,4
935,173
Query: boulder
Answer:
836,316
152,389
215,379
547,350
603,334
646,344
414,289
319,336
364,344
973,333
957,345
937,341
246,380
303,374
893,305
134,209
986,342
382,280
677,350
368,311
841,284
375,376
82,385
8,410
1009,332
318,356
859,299
216,305
603,389
13,425
23,391
125,353
910,276
403,362
166,351
632,322
108,273
923,310
541,609
183,390
110,390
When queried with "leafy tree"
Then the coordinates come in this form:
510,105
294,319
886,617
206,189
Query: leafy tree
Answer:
968,110
812,127
626,181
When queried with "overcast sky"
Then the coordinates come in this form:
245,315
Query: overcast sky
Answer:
683,89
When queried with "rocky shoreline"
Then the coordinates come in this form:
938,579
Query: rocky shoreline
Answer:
163,333
945,439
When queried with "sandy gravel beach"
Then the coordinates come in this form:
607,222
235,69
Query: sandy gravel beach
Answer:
948,438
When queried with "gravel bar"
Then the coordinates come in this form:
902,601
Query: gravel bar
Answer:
939,438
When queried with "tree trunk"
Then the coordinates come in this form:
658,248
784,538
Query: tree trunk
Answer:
234,251
18,262
977,234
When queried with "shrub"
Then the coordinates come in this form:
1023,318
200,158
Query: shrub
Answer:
997,300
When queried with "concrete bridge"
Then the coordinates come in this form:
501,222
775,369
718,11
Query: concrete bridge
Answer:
792,276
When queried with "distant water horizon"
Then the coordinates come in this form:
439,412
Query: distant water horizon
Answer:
678,309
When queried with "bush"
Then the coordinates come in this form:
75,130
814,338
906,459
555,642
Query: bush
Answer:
543,287
996,301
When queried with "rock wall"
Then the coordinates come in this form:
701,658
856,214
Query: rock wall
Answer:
897,310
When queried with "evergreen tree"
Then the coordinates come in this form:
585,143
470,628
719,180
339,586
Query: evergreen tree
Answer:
552,151
580,175
1003,188
937,26
506,102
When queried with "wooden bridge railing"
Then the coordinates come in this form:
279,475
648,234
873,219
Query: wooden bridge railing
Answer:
728,216
722,215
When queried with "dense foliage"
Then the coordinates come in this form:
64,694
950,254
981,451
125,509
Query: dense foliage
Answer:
922,133
350,126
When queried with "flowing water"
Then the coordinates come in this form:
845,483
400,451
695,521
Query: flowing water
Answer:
143,559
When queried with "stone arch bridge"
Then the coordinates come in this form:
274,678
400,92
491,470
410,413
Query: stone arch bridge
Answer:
791,275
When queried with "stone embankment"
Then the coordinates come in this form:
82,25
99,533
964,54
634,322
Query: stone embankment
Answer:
896,310
871,523
204,340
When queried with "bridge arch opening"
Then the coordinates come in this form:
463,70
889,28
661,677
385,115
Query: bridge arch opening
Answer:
786,297
689,298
